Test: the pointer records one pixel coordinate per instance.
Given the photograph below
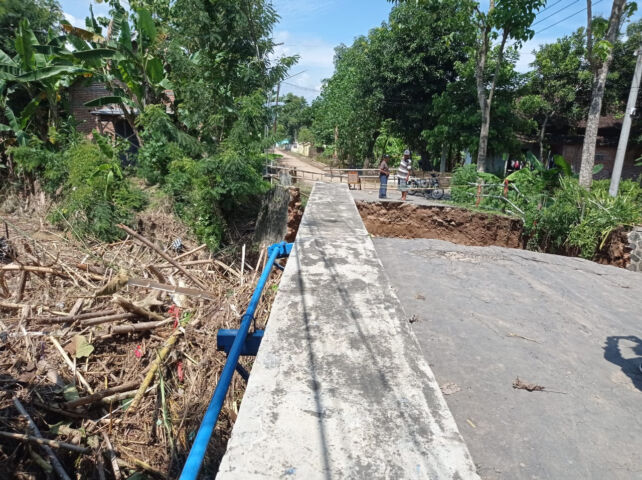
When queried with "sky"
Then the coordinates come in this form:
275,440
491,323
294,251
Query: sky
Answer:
312,28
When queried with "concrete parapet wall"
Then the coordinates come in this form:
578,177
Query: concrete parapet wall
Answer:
340,387
635,241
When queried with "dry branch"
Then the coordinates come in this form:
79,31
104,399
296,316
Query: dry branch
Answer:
70,364
44,441
138,310
190,292
143,240
136,327
169,343
50,453
102,394
108,318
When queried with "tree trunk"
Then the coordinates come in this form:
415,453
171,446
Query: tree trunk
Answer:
485,102
593,120
542,133
444,153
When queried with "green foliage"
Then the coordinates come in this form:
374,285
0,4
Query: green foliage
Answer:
34,162
461,190
42,15
305,135
208,191
96,195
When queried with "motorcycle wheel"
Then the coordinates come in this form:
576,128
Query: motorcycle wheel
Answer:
437,193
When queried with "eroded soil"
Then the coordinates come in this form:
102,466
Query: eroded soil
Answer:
456,225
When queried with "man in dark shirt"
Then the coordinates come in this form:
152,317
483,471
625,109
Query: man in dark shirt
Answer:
384,173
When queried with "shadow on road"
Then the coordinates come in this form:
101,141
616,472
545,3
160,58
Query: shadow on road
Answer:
630,366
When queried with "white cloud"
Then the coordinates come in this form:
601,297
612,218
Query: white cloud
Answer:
75,21
316,62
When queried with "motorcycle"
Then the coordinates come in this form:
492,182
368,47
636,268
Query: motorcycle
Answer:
427,187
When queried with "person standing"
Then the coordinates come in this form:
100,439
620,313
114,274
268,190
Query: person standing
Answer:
403,174
384,173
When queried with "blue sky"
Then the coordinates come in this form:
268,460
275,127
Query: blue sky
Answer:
312,28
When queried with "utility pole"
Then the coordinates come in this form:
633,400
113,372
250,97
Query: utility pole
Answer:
626,126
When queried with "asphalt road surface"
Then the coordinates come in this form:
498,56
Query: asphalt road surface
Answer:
485,316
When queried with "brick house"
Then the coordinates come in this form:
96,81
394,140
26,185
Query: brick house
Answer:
570,147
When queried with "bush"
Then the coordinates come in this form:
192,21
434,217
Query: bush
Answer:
208,191
34,162
96,196
578,221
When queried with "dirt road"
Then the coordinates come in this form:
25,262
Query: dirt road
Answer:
300,163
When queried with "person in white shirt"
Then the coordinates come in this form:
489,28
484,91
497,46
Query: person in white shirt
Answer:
403,174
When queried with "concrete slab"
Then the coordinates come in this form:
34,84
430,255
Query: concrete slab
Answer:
340,388
487,315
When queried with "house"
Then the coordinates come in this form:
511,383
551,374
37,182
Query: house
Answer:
569,145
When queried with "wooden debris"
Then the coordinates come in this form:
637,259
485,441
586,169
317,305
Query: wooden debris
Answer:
169,343
44,441
190,292
146,242
89,399
112,456
138,310
114,285
107,319
70,364
136,327
50,453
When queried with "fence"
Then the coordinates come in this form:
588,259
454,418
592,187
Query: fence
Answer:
369,177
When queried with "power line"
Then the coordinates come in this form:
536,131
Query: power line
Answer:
553,14
300,87
566,18
549,7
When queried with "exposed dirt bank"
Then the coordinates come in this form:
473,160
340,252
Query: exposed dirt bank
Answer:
456,225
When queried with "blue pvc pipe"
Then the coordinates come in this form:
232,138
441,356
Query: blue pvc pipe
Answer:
199,447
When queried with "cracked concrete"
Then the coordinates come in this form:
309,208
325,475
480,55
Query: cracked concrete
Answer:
340,388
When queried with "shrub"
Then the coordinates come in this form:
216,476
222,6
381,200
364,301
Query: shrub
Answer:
578,221
96,196
34,162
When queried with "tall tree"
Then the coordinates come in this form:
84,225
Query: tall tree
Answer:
601,58
558,85
507,20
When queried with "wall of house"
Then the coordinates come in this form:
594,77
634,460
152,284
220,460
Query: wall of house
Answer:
635,241
604,155
81,93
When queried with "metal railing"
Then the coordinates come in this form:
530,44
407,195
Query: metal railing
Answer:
239,346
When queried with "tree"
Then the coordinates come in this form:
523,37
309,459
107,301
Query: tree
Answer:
42,15
510,20
558,85
601,56
294,115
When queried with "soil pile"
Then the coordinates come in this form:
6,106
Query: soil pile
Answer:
456,225
110,349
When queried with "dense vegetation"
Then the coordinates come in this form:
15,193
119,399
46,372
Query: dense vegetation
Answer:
559,215
192,79
416,78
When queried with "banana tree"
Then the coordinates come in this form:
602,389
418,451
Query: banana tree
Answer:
42,71
135,73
